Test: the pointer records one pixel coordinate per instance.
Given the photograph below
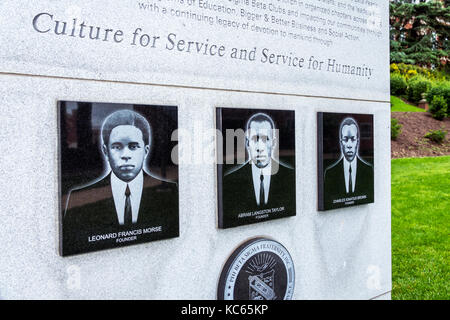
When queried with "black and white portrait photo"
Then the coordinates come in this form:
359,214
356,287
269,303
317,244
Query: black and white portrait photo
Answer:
256,179
118,181
346,175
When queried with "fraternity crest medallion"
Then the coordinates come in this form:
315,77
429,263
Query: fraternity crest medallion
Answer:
260,269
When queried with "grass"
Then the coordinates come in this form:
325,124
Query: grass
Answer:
398,105
421,228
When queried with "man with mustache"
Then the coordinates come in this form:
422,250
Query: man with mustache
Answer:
350,176
127,198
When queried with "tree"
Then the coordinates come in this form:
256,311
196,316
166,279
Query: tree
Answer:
420,33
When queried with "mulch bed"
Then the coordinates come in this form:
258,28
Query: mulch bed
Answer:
411,141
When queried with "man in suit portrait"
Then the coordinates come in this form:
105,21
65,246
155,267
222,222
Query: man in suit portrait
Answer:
261,182
351,176
127,198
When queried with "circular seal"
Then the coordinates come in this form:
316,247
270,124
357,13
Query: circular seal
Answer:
260,269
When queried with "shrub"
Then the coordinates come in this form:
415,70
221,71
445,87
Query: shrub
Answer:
409,70
436,135
394,68
442,89
411,73
416,86
403,68
398,85
396,129
438,108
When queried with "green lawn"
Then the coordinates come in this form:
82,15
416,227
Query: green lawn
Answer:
399,106
421,228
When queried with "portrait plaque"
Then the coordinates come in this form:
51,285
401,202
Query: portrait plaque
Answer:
259,269
118,182
255,165
345,160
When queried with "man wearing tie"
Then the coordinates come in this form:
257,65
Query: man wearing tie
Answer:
351,176
262,182
126,199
